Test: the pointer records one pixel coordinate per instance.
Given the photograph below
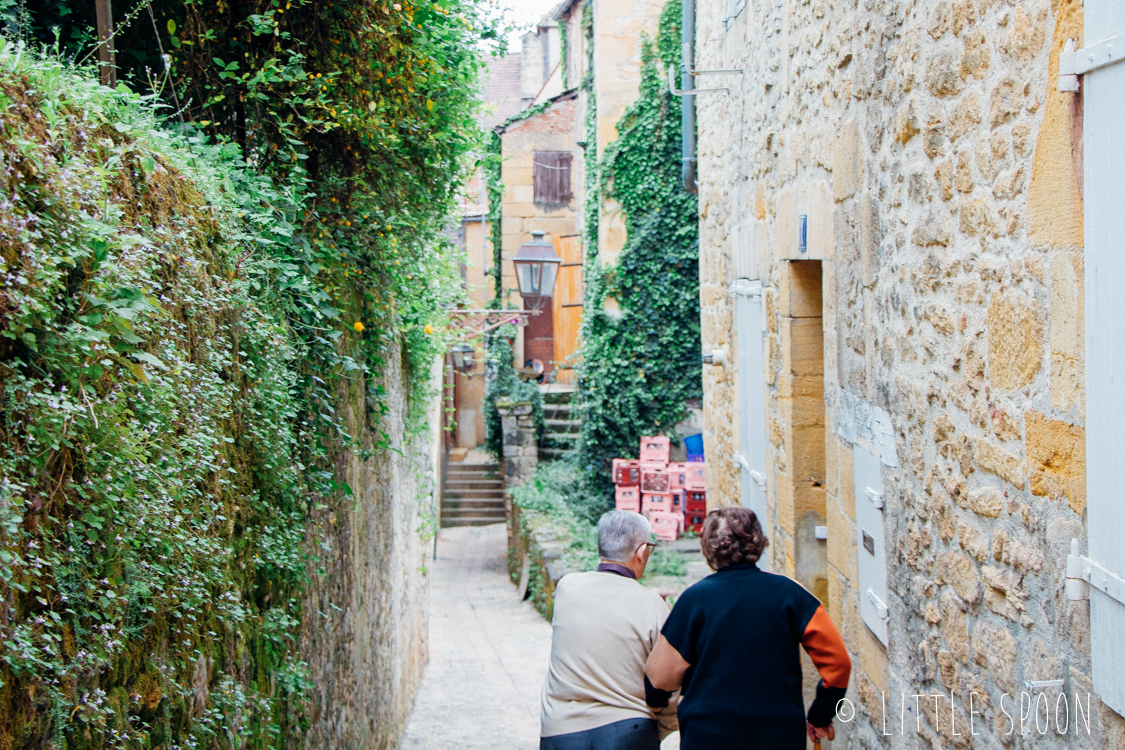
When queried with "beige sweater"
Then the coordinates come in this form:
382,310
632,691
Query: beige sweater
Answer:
605,625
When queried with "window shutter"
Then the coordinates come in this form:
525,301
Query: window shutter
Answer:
1104,113
871,543
751,399
551,178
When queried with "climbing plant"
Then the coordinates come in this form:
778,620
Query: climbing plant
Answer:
639,366
204,272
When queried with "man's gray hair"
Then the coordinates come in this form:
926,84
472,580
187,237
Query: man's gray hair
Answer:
620,532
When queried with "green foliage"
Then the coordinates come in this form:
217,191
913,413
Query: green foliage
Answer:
504,382
638,369
182,316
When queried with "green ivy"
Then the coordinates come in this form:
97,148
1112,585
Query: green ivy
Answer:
182,318
639,368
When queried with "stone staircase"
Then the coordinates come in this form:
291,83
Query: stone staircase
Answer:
563,421
473,495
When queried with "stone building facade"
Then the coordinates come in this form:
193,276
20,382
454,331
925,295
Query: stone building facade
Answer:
893,190
603,60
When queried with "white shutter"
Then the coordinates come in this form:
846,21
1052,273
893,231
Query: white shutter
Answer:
1104,133
751,398
871,542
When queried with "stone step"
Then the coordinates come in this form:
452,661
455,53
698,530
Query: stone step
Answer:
473,468
452,475
551,396
476,521
562,438
472,495
562,410
456,515
553,454
473,508
474,484
562,425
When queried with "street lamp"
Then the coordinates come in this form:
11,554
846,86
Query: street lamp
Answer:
537,266
462,357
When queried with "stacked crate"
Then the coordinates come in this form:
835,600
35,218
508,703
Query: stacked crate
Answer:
672,495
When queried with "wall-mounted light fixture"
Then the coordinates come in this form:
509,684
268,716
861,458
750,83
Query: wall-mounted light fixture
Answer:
463,357
537,266
803,233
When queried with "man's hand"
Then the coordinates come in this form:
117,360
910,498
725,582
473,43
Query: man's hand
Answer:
816,734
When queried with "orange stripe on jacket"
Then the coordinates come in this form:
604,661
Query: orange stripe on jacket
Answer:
826,649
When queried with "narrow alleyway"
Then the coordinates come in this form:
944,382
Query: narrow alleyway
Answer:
488,652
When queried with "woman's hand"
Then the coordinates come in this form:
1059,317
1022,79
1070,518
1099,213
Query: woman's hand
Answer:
816,734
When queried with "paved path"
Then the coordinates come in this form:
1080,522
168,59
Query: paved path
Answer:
488,652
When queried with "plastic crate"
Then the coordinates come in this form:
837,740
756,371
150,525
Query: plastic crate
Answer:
695,510
626,472
655,449
665,526
695,458
627,498
695,502
656,502
694,444
656,480
695,476
676,471
678,501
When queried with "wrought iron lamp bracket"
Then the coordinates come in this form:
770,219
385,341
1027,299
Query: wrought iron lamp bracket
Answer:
479,322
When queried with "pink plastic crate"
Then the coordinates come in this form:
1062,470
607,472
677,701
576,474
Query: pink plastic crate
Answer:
695,478
678,475
626,473
678,501
656,502
655,448
665,526
628,498
655,480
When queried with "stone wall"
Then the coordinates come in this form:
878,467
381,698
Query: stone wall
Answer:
364,633
939,171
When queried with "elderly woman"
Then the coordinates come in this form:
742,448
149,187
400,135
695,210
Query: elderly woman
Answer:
731,644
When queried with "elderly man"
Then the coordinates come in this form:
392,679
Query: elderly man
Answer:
605,626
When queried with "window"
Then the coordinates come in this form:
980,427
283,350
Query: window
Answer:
552,178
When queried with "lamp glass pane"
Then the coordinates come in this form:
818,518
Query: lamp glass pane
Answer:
536,277
523,277
550,271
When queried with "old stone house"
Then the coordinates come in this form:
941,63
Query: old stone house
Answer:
537,153
894,262
603,43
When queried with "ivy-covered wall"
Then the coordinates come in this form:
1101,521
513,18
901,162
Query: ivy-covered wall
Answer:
213,436
642,362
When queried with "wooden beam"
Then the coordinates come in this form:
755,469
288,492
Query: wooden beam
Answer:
107,66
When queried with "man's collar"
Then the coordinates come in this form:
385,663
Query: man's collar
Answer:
618,568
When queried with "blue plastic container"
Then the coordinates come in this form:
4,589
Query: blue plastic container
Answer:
694,446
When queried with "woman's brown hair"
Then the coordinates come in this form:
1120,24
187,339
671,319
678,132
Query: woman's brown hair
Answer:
732,536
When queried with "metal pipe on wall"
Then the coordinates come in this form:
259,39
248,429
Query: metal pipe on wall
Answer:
687,83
